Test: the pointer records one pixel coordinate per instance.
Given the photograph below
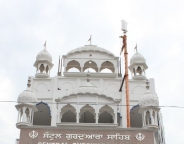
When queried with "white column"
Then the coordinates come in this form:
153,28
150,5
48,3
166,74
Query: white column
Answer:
98,69
144,118
81,69
77,117
115,117
59,117
32,117
18,119
96,118
24,115
156,120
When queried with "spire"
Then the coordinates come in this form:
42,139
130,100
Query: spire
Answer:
90,40
44,46
136,48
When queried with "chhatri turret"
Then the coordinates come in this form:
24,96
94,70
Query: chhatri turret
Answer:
138,66
43,63
26,106
149,108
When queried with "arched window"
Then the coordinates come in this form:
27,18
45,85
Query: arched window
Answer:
139,70
47,69
105,115
148,118
90,64
107,65
135,117
73,64
43,115
87,114
153,114
27,114
41,68
68,114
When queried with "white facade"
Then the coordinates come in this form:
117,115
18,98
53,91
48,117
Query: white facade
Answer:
91,99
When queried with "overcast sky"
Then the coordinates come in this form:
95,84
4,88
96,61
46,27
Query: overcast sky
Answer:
156,26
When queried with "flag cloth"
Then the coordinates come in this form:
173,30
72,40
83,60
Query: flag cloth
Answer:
124,44
89,39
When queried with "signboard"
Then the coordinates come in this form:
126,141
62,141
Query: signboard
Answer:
75,136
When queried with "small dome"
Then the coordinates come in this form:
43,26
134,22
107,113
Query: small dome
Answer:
26,96
44,55
137,58
90,48
148,99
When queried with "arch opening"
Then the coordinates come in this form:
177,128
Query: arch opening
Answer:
42,116
148,118
68,114
106,115
41,68
90,65
73,64
107,65
87,114
135,117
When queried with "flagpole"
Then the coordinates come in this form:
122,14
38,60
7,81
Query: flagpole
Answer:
124,38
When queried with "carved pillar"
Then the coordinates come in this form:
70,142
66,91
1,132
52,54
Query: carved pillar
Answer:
77,117
115,118
96,118
82,69
98,69
24,115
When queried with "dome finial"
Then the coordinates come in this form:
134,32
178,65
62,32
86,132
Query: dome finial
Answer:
135,49
90,40
44,46
147,84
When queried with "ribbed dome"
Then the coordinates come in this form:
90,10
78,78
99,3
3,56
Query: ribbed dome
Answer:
148,99
90,48
27,96
137,58
44,55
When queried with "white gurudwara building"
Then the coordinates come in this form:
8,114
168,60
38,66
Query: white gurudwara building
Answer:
87,106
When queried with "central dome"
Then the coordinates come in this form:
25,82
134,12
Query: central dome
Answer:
90,48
